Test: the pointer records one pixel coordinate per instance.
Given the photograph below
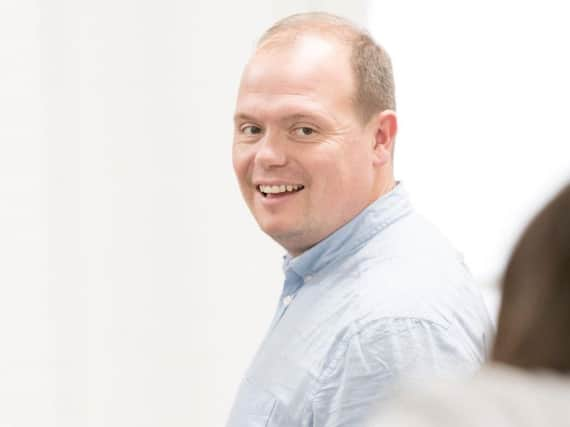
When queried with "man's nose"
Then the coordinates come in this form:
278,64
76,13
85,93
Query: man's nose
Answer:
270,152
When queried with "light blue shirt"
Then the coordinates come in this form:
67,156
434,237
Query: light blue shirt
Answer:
383,299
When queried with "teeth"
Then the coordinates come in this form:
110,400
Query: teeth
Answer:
276,189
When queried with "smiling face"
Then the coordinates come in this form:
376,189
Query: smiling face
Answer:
304,162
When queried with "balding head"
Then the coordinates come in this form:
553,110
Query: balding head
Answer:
371,65
309,156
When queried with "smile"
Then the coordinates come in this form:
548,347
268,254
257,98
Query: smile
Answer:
266,190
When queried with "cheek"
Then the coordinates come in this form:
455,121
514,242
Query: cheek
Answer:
342,180
241,161
337,173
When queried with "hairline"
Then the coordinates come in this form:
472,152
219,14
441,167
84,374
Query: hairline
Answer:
287,32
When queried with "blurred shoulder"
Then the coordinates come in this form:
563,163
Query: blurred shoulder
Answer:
496,396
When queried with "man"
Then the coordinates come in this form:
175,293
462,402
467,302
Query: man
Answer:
373,294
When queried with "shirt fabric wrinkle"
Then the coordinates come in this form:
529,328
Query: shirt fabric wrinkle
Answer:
382,297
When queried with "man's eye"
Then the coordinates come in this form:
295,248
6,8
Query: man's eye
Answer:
251,130
304,131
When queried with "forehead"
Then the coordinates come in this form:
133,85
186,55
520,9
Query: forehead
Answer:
311,70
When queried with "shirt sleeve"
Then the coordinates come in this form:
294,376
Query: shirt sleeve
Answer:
371,362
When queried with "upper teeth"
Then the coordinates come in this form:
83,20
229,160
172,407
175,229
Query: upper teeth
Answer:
279,188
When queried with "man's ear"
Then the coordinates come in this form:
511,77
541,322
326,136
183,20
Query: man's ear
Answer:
385,127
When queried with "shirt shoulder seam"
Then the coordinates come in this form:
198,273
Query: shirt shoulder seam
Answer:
343,346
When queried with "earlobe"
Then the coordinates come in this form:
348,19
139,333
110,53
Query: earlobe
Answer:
381,155
384,134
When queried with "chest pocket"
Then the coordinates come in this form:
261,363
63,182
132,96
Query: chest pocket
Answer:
253,406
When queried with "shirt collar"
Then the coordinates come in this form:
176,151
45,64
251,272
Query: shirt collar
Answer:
354,234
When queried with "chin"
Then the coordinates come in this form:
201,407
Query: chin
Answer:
293,240
276,230
281,232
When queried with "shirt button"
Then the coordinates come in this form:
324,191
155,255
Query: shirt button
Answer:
308,278
287,300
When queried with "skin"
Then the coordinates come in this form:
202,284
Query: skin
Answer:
295,123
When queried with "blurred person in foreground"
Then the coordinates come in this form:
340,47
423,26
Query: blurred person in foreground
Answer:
373,293
528,382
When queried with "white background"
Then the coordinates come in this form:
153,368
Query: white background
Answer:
134,286
483,98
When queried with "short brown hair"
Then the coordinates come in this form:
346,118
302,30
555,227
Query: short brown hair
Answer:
534,319
371,64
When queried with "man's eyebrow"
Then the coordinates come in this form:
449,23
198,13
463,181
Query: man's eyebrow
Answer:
243,117
288,118
301,116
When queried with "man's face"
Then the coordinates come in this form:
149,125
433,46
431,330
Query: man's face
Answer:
303,160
